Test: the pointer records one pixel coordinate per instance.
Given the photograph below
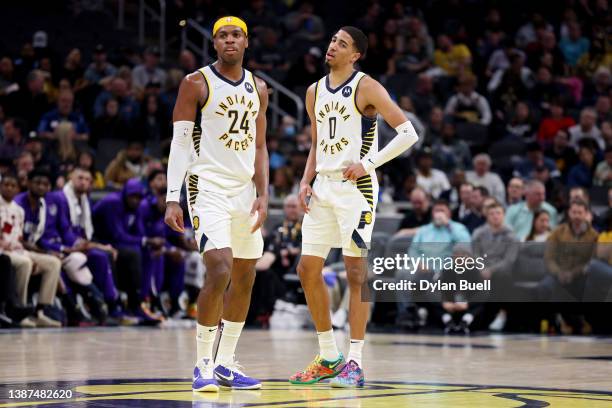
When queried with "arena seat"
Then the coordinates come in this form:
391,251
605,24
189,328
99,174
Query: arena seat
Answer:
529,269
388,223
107,150
474,134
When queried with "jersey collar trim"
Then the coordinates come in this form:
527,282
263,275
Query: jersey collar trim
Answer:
329,88
221,77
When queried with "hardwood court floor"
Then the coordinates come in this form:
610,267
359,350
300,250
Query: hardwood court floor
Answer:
116,367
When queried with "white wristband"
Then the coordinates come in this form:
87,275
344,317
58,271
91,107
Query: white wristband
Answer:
406,137
178,161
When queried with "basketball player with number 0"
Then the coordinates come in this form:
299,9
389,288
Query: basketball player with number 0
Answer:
342,108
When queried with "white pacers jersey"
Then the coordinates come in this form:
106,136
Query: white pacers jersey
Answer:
344,135
223,148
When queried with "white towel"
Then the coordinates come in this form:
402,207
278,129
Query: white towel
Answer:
80,211
39,230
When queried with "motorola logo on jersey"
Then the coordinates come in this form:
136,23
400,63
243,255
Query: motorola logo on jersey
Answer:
347,91
248,87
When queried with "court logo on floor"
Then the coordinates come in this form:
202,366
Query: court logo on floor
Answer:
279,393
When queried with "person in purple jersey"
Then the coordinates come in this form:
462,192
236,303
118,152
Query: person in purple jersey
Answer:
74,215
24,261
115,221
168,261
46,230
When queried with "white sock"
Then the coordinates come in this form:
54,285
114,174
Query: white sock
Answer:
227,344
355,351
446,318
468,318
328,350
205,338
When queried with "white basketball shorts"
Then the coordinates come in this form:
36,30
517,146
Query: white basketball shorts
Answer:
342,215
221,221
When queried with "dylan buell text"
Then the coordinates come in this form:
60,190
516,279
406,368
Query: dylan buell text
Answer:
426,285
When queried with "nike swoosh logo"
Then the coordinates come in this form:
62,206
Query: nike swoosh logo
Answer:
370,160
335,365
173,191
211,330
230,378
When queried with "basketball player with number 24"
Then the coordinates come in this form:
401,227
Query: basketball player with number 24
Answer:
341,210
219,142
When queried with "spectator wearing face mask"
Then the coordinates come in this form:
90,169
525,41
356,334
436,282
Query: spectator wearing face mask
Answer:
435,240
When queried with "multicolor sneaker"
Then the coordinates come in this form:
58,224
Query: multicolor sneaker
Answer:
232,376
350,376
203,376
318,370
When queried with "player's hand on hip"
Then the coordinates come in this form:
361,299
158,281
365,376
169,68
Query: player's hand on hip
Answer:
354,171
260,205
174,217
304,196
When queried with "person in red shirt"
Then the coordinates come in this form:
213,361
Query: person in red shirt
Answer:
552,124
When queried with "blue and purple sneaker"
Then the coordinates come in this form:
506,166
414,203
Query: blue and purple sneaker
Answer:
203,376
231,376
351,376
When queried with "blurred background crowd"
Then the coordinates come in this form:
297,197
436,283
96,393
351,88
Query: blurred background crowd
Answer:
511,100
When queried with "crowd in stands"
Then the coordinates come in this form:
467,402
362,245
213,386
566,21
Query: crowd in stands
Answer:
514,117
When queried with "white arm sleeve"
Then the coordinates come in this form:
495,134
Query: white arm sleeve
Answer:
406,137
178,161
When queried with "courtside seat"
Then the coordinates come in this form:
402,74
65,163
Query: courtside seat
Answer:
396,245
529,269
388,223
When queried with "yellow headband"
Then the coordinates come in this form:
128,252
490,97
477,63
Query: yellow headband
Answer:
230,20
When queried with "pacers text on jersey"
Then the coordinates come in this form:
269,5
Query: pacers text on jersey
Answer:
336,108
240,121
